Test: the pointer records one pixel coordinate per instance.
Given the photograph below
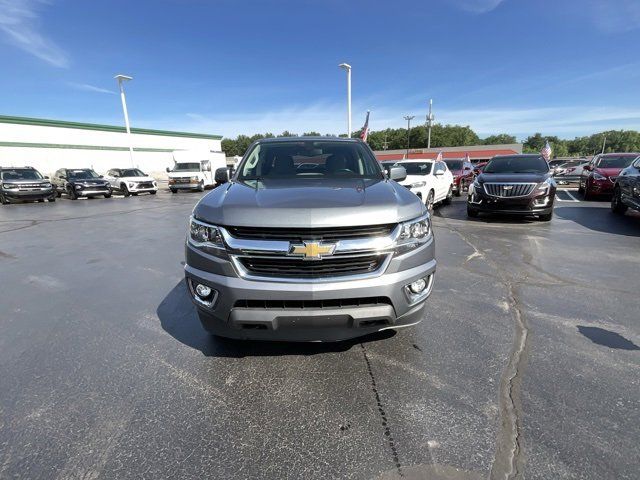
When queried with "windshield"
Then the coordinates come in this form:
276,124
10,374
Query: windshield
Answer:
82,174
517,164
21,174
187,167
454,164
621,161
417,168
132,172
309,159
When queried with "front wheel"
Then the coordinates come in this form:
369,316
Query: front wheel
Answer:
201,186
471,212
107,195
3,200
72,193
449,197
125,190
173,190
616,203
153,192
429,201
52,199
547,217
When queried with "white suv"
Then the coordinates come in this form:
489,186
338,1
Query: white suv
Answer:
430,180
131,181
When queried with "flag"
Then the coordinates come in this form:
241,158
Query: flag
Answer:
546,151
467,158
439,157
365,130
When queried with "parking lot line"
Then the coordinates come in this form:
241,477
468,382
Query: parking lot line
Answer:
570,197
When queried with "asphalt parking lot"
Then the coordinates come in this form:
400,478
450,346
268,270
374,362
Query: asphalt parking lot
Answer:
526,364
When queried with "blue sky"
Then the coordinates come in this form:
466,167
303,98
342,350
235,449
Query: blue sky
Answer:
563,67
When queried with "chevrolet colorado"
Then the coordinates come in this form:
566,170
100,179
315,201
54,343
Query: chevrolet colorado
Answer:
309,241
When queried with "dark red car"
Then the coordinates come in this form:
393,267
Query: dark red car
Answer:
599,177
463,175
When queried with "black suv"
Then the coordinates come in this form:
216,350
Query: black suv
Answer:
514,184
24,183
80,182
626,191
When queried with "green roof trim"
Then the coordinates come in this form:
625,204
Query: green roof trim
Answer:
41,122
80,147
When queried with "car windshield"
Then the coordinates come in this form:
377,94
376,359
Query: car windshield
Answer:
517,164
21,174
81,174
454,164
309,159
417,168
132,172
187,167
621,161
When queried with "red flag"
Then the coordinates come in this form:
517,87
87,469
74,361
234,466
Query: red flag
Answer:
365,130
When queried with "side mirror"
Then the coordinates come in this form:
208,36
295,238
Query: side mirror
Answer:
397,173
168,169
101,176
437,173
222,175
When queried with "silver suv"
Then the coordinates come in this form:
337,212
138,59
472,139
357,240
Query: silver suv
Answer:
309,241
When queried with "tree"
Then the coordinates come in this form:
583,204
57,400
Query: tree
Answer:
499,139
312,134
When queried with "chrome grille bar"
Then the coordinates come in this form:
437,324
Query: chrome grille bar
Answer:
508,189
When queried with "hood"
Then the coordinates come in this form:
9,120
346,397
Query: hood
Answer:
413,179
36,181
137,179
513,177
609,172
309,203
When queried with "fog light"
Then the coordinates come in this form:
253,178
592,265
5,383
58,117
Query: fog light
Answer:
203,291
418,286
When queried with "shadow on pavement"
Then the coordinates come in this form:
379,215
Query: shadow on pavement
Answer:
607,338
179,318
602,220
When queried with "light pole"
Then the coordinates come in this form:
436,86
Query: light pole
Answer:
408,118
430,119
121,79
347,67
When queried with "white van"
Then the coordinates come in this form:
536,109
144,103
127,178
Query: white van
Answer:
193,170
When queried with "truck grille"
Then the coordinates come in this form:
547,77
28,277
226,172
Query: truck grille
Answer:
297,268
312,304
329,234
509,189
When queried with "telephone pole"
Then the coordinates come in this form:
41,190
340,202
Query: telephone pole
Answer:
430,119
408,118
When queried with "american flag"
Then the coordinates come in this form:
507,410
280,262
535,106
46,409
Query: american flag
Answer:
439,157
365,130
467,158
546,151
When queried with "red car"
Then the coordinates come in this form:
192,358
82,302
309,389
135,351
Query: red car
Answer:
599,177
462,175
478,167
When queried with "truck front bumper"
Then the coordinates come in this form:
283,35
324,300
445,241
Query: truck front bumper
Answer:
333,311
184,186
31,194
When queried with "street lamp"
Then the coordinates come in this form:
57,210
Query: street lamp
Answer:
408,118
430,119
121,79
347,67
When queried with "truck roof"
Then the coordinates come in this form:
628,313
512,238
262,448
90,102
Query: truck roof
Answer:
298,139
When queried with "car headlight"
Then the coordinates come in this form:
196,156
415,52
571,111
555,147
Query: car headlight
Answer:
78,187
204,235
418,184
46,185
597,176
413,234
194,179
546,185
9,185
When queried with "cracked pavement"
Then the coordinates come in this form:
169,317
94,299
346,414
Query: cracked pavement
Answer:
515,371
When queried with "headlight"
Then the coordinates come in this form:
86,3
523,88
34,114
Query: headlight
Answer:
413,234
9,185
78,187
204,235
46,185
546,184
194,179
597,176
418,184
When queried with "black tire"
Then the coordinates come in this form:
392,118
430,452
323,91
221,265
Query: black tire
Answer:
52,199
201,186
460,188
173,190
153,192
580,189
125,190
449,197
546,218
58,194
3,200
72,193
107,195
429,201
472,212
135,194
616,203
41,200
587,195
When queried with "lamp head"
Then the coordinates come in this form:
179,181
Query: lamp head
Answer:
346,66
121,78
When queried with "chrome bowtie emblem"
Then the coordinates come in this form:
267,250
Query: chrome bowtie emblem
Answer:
508,187
312,250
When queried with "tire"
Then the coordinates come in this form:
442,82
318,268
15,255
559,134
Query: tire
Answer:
153,192
125,190
449,197
460,189
58,194
107,195
546,218
472,212
587,195
580,189
3,200
201,186
429,201
72,193
173,190
616,203
134,194
52,199
41,200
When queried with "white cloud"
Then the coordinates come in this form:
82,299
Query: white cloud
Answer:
19,22
90,88
614,16
476,6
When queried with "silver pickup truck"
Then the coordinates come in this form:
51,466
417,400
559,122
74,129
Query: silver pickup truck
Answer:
309,240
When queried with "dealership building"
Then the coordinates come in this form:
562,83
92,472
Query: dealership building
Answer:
49,145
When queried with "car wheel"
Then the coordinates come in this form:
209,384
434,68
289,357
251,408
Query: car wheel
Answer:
125,190
58,194
587,195
107,195
472,212
52,199
547,217
3,200
72,193
580,189
460,189
616,203
173,190
429,202
153,192
41,200
201,186
449,197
